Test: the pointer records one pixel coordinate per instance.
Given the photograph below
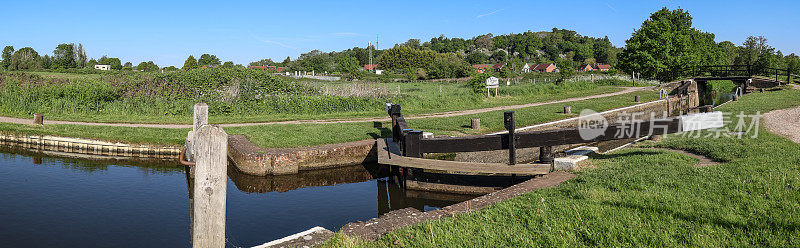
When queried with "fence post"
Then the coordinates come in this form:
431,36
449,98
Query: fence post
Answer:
38,119
211,156
508,119
546,154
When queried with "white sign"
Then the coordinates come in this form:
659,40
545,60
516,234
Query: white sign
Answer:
492,82
694,122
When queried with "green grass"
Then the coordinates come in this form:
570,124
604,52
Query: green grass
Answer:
299,135
168,97
646,198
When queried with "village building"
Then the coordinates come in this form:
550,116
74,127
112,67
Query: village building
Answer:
602,67
585,67
551,67
481,68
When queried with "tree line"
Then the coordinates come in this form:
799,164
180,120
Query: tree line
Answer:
666,44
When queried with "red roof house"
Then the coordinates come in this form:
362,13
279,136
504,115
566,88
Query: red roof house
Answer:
481,68
602,67
585,67
370,67
544,67
498,67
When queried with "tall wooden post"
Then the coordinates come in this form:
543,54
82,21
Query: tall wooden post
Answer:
394,112
411,144
38,119
210,187
508,119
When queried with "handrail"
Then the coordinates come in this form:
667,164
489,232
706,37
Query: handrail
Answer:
183,158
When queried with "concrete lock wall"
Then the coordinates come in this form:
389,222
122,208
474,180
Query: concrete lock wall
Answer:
88,146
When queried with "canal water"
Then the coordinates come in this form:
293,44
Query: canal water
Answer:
49,201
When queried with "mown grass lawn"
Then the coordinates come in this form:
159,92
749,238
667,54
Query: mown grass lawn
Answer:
646,198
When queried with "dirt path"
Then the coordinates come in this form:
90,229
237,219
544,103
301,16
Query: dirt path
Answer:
703,160
349,120
784,122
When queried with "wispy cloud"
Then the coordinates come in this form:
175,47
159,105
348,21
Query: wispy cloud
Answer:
490,13
269,41
348,34
612,8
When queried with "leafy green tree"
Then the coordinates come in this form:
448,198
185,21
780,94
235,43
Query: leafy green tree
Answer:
115,63
499,56
476,58
148,66
755,51
448,65
347,64
8,51
128,65
228,64
403,57
478,82
566,69
208,60
263,62
25,59
190,63
64,56
665,44
47,62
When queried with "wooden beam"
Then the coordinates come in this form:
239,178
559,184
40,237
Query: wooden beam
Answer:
210,189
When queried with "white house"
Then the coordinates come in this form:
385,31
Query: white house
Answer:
103,67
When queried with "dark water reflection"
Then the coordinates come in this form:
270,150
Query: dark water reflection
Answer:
63,202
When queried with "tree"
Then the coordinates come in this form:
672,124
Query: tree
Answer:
64,56
667,43
80,56
190,63
499,56
485,42
128,65
8,51
148,66
208,60
755,51
263,62
228,64
25,59
46,62
566,69
115,63
347,64
477,58
403,57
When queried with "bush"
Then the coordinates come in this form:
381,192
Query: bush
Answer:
478,82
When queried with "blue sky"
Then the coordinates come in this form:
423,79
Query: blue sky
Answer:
166,32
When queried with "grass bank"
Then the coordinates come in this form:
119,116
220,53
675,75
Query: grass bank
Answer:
298,135
646,198
240,95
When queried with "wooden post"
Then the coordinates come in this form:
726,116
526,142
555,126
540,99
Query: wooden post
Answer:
475,123
508,119
411,144
200,116
394,112
210,189
636,98
567,109
546,154
38,119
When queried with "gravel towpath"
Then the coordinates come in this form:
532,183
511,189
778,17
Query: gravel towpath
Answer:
784,122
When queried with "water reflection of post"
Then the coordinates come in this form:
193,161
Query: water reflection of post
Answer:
37,160
383,197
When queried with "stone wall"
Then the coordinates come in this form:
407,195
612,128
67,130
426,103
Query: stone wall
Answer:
252,160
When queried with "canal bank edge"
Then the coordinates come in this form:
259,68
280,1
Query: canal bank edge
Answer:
253,160
90,146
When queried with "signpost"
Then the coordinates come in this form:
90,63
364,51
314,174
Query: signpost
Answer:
492,83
